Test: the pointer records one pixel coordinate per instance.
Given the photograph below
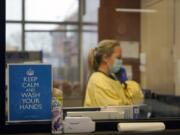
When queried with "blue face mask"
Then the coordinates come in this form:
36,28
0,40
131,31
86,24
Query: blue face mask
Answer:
116,66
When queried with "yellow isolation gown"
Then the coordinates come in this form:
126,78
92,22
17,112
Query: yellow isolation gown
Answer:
105,91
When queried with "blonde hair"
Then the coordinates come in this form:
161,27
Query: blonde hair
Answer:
105,47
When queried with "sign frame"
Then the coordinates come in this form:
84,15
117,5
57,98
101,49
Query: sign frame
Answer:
10,120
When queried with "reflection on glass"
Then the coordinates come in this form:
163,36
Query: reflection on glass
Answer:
13,9
13,37
48,10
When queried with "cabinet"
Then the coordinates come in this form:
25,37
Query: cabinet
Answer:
122,26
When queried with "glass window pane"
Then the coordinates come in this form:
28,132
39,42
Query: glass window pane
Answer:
91,11
48,10
89,40
91,28
13,9
61,49
50,27
13,36
34,42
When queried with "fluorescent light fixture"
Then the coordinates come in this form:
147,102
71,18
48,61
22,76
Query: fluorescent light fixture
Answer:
135,10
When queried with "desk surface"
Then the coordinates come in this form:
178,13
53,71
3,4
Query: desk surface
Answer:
166,132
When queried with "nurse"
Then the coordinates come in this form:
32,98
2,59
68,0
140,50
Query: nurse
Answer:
103,87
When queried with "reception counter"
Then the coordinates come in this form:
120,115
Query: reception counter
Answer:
166,132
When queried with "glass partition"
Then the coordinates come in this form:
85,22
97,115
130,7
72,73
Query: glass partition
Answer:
148,34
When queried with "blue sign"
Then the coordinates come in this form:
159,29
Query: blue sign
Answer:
29,90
